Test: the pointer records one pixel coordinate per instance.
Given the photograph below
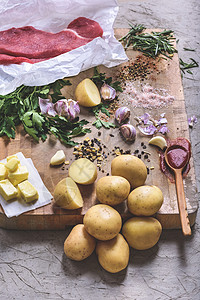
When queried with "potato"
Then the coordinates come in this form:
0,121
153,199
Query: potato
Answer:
112,190
67,194
87,93
83,171
102,221
113,255
130,167
142,233
145,200
79,244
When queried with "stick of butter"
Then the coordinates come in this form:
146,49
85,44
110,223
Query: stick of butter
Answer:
28,191
7,190
3,171
19,175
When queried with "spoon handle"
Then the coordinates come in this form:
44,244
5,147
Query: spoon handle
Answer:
182,203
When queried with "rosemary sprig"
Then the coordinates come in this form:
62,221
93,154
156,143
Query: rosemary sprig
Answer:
135,29
187,66
150,44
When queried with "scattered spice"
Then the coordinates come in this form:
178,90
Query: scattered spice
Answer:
139,69
91,149
146,96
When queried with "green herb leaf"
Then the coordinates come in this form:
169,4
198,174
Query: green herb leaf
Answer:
99,123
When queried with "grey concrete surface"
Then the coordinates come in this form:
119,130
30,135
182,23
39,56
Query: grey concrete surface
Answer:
32,264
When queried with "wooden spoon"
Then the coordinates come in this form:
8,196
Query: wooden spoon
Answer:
177,157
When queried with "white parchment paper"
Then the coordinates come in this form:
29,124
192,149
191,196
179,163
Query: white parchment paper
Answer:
54,16
16,208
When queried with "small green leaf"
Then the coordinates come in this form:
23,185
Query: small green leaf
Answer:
37,119
97,123
31,131
27,119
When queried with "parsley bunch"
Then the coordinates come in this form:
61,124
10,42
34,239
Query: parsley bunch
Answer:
22,106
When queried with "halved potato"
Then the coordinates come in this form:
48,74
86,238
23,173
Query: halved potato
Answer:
87,93
83,171
67,194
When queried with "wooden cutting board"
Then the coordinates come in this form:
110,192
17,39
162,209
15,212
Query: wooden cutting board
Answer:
166,75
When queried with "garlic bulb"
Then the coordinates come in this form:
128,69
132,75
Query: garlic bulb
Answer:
67,108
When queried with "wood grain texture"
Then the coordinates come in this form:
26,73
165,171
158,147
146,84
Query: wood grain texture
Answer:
50,217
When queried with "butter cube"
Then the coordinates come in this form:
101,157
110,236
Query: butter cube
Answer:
12,164
12,156
7,190
28,191
19,175
3,171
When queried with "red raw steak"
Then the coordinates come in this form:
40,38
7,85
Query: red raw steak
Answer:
27,44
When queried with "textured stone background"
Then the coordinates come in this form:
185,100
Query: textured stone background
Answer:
32,264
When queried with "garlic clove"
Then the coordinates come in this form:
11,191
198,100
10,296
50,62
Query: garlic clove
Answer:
107,92
128,131
58,158
122,113
158,141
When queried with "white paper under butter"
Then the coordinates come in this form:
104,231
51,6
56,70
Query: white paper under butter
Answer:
54,16
16,208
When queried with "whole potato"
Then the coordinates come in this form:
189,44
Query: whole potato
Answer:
145,200
79,244
112,190
130,167
142,233
102,221
113,255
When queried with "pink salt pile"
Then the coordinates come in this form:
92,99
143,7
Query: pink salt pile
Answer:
146,96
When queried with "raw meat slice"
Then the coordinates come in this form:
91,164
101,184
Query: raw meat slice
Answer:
9,59
27,44
86,27
33,43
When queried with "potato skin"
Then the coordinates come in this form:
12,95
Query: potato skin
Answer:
102,221
113,255
145,200
79,244
130,167
112,190
142,233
